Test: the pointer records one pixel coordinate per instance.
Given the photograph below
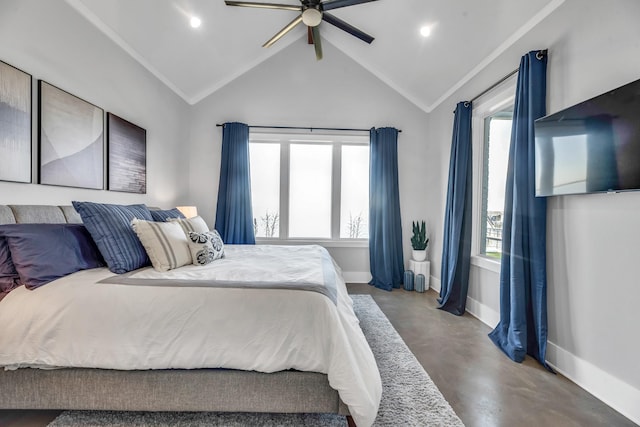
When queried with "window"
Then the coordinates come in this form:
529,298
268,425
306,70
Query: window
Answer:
497,137
354,197
310,173
492,121
310,187
264,159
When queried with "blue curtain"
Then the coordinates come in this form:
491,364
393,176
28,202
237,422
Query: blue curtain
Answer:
385,228
456,252
234,216
522,328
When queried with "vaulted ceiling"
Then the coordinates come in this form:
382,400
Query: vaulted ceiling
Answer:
466,35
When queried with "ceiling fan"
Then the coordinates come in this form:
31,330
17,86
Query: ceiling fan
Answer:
312,13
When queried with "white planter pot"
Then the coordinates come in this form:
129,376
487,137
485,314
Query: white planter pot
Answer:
419,255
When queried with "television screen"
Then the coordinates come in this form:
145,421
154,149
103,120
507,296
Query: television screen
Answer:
591,147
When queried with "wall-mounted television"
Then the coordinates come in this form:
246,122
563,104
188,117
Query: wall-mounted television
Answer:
590,147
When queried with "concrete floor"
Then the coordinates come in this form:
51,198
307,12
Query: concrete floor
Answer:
482,385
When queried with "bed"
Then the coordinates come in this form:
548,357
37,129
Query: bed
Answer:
336,374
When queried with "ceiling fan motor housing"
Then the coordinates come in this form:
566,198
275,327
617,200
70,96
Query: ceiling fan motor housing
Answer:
312,17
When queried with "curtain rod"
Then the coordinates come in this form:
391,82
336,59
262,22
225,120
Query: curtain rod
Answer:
494,85
311,129
539,55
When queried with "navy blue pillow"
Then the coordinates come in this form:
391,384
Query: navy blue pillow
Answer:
9,278
42,253
163,216
110,227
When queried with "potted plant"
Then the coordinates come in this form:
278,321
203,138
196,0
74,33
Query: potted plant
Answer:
419,241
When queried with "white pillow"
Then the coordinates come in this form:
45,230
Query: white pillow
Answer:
205,247
195,224
165,243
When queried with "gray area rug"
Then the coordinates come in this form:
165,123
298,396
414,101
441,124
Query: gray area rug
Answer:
409,396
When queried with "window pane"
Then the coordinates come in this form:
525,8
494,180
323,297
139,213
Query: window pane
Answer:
265,188
497,140
354,198
310,190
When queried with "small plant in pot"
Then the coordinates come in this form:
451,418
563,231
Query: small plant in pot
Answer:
419,241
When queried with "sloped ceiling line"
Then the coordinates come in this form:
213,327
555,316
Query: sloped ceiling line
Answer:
510,41
100,25
528,26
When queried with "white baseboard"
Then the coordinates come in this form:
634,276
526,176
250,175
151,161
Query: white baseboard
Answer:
356,276
614,392
435,284
365,277
483,313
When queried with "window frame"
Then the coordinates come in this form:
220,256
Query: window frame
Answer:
337,141
489,105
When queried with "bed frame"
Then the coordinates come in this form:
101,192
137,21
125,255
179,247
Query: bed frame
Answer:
221,390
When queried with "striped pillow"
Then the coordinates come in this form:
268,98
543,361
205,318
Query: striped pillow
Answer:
195,224
109,226
165,242
160,215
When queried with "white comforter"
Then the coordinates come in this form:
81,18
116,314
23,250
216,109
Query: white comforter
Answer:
77,322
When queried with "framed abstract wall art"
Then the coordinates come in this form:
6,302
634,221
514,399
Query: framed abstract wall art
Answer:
127,154
15,124
71,139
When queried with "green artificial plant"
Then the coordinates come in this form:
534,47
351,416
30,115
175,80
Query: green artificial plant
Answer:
419,241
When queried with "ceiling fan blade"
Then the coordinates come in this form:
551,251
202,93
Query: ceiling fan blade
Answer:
263,5
335,4
333,20
309,36
317,42
283,31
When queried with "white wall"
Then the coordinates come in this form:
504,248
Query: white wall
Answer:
592,239
592,249
292,89
52,42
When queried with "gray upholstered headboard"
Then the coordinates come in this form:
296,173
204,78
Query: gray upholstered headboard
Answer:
43,214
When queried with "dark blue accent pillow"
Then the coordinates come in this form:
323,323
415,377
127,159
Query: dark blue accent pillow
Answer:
110,227
9,278
42,253
163,216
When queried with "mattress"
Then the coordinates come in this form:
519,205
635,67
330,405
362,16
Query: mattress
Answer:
80,321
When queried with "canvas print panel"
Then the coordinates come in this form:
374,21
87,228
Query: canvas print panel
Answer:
71,140
15,124
127,155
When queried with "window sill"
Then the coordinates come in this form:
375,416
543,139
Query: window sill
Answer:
325,243
486,263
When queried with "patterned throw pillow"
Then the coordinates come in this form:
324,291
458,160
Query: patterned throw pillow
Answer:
205,247
165,243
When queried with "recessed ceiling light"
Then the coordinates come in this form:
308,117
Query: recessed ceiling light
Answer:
425,31
195,22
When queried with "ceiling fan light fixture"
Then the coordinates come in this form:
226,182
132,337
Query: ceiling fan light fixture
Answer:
311,17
